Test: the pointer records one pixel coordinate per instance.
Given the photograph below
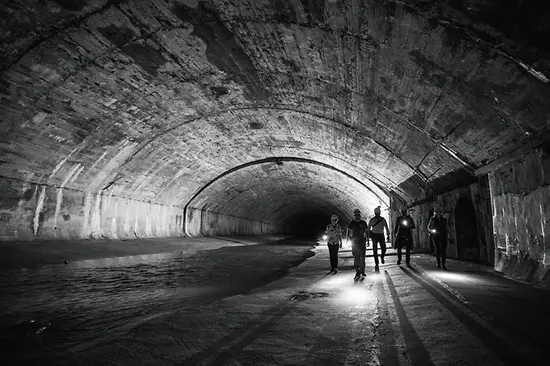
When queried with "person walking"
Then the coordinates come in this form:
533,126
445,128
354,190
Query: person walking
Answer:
437,227
357,235
403,236
376,227
334,242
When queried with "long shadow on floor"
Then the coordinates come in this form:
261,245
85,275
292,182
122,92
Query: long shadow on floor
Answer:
225,349
500,348
418,354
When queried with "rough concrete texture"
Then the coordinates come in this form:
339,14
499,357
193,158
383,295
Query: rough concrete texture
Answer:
521,216
58,213
118,117
479,245
209,223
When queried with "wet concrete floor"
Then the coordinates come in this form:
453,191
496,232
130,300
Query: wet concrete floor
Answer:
257,301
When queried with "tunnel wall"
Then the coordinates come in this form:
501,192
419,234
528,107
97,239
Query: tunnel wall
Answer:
521,205
201,222
479,195
31,211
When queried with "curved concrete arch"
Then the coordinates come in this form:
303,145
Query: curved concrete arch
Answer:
278,160
273,108
383,185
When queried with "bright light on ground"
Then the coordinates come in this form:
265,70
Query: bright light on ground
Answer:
356,295
452,276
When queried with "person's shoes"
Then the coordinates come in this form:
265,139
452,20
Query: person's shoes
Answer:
439,265
363,274
335,270
399,262
444,267
408,264
382,260
357,274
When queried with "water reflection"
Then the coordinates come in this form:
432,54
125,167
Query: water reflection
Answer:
69,307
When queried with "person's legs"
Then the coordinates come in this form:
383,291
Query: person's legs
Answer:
437,246
356,254
375,240
333,251
382,248
408,253
399,250
407,244
363,251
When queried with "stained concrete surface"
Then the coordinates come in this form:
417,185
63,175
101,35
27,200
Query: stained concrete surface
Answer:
234,305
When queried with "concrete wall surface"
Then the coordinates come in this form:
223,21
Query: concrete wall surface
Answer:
202,222
521,205
31,211
479,196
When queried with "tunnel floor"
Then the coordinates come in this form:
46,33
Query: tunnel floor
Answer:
267,304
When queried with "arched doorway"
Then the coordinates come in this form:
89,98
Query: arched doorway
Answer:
467,242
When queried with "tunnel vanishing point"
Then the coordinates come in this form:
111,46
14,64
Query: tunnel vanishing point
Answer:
163,118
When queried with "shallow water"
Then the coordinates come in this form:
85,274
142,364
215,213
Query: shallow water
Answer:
46,313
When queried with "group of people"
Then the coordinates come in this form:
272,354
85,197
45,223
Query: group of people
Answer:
359,233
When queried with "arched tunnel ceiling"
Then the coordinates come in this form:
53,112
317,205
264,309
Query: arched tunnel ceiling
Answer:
154,99
274,190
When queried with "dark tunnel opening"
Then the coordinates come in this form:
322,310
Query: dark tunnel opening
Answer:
311,224
308,225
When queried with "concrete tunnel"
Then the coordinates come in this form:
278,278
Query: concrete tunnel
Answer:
141,119
153,153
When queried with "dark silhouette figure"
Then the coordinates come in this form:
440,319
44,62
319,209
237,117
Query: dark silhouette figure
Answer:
438,234
403,236
357,234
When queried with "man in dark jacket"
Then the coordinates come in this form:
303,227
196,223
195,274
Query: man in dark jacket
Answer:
437,228
357,234
403,236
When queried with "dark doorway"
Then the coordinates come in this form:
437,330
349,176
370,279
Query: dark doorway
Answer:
467,242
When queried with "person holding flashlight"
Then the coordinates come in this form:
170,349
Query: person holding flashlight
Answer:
334,242
403,236
437,228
